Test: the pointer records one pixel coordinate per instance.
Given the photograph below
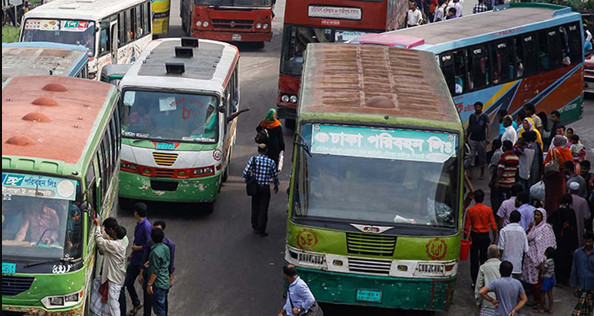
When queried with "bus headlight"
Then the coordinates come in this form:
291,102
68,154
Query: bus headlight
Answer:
285,98
198,23
259,25
56,301
293,99
265,26
205,24
61,301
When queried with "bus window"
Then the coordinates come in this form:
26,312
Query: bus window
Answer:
121,30
446,61
104,40
148,20
528,54
139,28
549,49
574,42
478,67
129,35
503,66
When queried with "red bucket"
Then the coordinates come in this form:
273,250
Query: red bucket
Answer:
465,248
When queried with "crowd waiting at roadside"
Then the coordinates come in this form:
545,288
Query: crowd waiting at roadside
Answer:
540,214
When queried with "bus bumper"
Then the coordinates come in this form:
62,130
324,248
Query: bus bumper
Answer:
136,186
404,293
233,37
34,311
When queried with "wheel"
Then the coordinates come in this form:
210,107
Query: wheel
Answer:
260,45
290,123
208,207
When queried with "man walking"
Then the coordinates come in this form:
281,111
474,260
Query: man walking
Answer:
479,218
508,206
113,249
144,269
142,235
506,171
582,276
581,209
488,272
414,17
264,170
513,243
299,300
158,271
478,135
509,292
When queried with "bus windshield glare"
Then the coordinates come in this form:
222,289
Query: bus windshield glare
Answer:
344,185
298,38
40,228
170,116
235,3
61,31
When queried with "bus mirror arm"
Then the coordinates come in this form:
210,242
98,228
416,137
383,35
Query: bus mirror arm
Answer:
300,141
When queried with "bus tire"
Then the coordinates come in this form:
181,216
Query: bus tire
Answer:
290,123
208,207
260,45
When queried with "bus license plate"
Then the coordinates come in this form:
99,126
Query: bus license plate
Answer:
374,296
8,268
236,37
165,146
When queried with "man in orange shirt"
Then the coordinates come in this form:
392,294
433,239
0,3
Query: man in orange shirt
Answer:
479,219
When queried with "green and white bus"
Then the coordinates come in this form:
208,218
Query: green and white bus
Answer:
60,165
179,104
376,186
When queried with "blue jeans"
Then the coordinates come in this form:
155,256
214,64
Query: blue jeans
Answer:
159,297
132,272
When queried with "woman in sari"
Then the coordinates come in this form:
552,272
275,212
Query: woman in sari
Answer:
555,181
540,237
564,225
528,125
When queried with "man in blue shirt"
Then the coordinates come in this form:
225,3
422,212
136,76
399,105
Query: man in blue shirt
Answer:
264,170
509,292
582,276
525,209
299,298
142,235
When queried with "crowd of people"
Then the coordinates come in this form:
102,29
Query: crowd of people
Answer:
540,217
151,261
430,11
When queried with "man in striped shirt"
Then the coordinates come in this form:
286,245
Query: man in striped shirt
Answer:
506,171
264,170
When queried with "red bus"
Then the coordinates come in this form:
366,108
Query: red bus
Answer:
320,21
228,20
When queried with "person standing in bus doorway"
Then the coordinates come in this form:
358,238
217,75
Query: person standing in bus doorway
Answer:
142,235
264,170
414,17
478,135
113,248
300,300
275,143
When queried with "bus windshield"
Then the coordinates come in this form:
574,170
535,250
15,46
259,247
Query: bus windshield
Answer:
61,31
37,227
235,3
345,180
297,38
170,116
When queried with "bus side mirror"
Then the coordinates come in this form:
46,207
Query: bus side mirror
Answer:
222,109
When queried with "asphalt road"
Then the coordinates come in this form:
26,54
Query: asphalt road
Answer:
222,267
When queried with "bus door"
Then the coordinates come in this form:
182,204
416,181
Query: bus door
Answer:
113,30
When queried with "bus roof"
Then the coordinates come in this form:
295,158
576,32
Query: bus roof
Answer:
208,69
499,21
52,118
341,78
80,9
39,58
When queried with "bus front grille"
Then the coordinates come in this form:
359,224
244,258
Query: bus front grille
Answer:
232,24
167,173
13,285
370,266
370,244
164,159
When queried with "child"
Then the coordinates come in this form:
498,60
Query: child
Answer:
548,279
577,151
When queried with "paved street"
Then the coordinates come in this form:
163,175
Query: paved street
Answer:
222,267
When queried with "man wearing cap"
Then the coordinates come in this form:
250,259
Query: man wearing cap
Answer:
573,177
264,170
581,209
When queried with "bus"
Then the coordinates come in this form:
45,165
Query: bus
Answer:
44,58
160,17
60,164
228,20
113,31
179,104
518,53
114,73
375,198
310,21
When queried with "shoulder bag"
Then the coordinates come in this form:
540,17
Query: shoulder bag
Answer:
552,166
314,310
251,184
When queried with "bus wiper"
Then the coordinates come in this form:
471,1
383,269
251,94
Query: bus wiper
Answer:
300,141
63,259
218,4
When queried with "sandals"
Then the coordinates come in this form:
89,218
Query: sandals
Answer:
135,310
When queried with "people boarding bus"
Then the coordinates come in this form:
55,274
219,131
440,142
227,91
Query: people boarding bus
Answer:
375,192
113,31
44,58
517,54
179,104
60,165
228,20
309,21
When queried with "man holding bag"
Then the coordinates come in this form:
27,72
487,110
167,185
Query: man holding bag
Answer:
263,170
299,300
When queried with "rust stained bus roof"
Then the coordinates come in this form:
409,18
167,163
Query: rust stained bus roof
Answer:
39,120
342,78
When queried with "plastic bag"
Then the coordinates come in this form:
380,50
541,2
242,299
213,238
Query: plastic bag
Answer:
537,191
281,159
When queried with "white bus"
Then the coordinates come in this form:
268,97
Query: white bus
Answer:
114,31
179,107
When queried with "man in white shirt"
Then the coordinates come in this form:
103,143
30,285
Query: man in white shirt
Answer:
458,6
508,206
414,17
440,12
113,248
509,133
513,243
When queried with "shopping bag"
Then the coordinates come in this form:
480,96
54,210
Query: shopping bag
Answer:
537,191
